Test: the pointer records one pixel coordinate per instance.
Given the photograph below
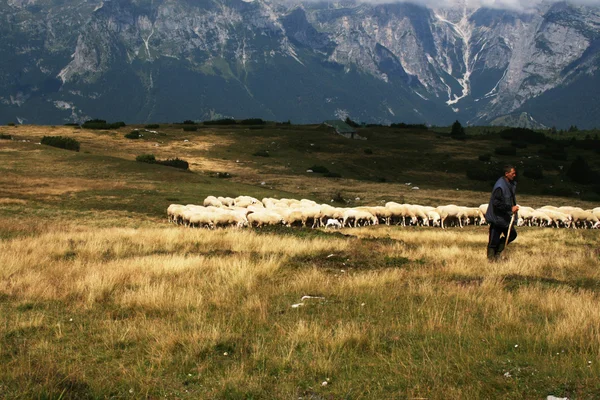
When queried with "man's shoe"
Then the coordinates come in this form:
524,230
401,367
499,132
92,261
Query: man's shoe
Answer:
491,254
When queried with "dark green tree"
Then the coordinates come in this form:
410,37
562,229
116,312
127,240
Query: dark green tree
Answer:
457,132
580,172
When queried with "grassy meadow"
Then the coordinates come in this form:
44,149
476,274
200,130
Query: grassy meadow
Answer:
101,298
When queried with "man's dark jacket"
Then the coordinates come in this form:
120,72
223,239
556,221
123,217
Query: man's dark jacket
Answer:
502,200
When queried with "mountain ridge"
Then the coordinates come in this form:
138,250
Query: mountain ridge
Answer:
144,61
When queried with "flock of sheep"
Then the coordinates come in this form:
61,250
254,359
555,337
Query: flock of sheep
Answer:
247,211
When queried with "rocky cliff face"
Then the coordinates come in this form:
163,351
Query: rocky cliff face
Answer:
167,60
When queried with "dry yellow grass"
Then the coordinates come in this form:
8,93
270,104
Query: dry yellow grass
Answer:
116,303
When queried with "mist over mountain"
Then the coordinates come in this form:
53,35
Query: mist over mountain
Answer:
434,62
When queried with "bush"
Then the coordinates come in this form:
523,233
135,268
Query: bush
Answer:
61,142
458,132
152,126
554,153
190,128
332,175
523,135
252,121
175,162
580,172
506,151
485,157
171,162
223,175
483,174
261,153
133,135
533,172
5,136
518,144
11,124
102,124
368,151
71,124
319,169
351,123
561,190
189,122
338,198
402,125
147,158
225,121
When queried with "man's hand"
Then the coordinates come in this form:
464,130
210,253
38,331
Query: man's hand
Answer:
515,209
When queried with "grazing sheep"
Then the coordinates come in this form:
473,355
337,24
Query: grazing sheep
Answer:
357,216
212,201
434,217
483,209
245,201
333,223
173,212
261,218
451,212
540,218
201,219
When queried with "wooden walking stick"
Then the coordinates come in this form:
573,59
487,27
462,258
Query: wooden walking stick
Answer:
512,220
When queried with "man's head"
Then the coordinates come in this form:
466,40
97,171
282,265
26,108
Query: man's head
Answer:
509,172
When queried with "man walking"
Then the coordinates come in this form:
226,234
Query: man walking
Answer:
502,206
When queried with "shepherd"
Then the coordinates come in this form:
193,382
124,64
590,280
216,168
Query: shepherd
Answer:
501,213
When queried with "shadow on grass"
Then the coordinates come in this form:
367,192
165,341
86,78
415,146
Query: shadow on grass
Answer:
514,282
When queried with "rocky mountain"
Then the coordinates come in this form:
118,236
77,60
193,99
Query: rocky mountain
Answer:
170,60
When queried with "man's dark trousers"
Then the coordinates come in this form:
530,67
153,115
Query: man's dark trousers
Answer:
494,241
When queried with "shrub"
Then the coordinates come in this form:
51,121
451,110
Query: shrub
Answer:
71,124
518,144
482,174
458,132
485,157
580,172
190,128
252,121
5,136
351,123
175,162
152,126
133,135
261,153
102,124
533,172
523,135
506,151
368,151
223,175
319,169
332,175
225,121
61,142
560,190
147,158
338,198
555,153
11,124
189,122
402,125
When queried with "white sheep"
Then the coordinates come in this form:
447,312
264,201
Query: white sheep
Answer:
357,216
261,218
451,212
333,223
212,201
